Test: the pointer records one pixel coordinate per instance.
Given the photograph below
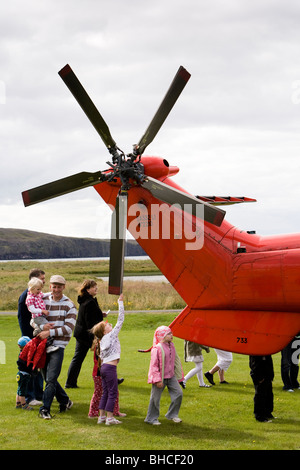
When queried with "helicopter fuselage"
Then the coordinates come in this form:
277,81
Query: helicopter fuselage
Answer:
242,290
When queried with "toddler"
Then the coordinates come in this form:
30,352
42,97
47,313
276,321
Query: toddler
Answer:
193,353
165,371
37,308
23,378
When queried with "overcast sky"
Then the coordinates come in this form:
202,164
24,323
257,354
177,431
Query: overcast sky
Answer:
235,129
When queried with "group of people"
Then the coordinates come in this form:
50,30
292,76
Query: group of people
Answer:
47,322
52,318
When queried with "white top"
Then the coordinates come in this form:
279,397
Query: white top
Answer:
110,348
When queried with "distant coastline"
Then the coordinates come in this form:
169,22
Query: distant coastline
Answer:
27,245
53,260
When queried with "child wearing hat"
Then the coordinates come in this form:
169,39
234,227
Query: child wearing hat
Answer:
23,378
165,371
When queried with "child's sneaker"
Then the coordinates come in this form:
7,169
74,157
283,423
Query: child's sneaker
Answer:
101,420
110,421
26,407
209,377
177,420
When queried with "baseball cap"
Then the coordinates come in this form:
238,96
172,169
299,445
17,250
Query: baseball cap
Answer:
23,341
57,279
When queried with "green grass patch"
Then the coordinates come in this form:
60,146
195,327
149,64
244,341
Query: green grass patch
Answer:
216,418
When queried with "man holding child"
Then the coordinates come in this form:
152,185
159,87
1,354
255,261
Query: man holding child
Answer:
61,323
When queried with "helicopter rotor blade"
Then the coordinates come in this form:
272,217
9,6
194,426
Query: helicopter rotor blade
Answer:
186,202
117,245
61,186
180,80
83,99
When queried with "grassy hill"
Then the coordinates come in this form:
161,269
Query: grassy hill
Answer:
26,244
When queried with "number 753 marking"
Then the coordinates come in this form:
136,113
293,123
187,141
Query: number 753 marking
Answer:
241,340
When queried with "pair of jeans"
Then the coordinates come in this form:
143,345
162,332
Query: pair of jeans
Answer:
176,395
51,373
109,386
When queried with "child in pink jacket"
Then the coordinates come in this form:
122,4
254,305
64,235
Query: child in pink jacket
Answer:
165,371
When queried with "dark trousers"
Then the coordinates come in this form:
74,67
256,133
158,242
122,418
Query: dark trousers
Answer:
35,388
51,373
109,386
263,399
81,350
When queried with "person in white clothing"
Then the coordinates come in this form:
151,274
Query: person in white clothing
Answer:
193,353
110,352
221,366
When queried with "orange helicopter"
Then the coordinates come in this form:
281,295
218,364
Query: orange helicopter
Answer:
242,290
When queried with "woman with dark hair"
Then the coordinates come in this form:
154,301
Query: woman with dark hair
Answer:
89,314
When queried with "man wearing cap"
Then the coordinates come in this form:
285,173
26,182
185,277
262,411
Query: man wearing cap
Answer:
61,323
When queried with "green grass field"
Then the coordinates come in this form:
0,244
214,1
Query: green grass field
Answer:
216,418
